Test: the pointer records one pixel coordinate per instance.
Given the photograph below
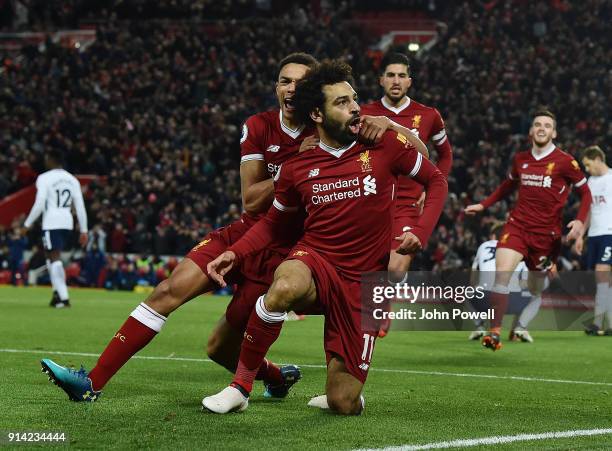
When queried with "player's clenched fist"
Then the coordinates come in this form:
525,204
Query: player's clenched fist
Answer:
220,266
473,209
410,244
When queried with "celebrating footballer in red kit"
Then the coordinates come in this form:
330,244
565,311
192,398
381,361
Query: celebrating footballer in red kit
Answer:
268,139
544,176
346,189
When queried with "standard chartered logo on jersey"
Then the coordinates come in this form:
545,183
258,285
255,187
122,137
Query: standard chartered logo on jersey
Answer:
343,189
545,181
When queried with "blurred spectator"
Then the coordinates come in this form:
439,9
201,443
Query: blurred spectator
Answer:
97,239
17,245
93,264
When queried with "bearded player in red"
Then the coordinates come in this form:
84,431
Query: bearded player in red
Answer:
268,139
345,188
424,122
544,176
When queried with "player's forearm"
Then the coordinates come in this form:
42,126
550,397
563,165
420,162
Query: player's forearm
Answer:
81,214
437,190
258,197
35,212
502,191
445,157
260,236
411,137
585,203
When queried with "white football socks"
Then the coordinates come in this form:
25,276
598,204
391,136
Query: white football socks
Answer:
530,311
601,302
58,279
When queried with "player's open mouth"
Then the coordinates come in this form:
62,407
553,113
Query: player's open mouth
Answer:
288,103
354,125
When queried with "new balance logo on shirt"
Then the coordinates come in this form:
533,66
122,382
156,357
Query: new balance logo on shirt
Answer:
313,172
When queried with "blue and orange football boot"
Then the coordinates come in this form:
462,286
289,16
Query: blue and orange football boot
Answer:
492,341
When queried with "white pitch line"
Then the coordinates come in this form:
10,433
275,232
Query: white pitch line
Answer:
382,370
495,440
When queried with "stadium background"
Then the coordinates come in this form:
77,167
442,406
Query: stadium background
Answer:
154,104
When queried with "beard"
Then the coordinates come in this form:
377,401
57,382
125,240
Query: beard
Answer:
542,141
340,131
397,97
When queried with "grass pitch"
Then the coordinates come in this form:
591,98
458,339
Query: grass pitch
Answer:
425,387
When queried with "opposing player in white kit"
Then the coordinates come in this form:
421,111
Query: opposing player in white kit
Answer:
599,246
57,191
483,274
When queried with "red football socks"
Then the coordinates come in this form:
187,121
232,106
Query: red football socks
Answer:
262,331
499,303
134,335
269,373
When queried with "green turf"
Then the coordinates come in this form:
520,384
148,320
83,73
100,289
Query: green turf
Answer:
156,403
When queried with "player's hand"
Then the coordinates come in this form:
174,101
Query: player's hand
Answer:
576,230
83,238
24,231
471,210
309,143
579,245
410,244
220,266
420,204
372,128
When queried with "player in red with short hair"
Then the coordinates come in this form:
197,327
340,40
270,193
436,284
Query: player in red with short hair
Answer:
345,188
426,123
544,176
267,140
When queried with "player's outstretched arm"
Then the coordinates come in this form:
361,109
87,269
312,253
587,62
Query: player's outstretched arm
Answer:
473,209
261,235
504,190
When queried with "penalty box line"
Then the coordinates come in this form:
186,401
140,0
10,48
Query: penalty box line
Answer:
495,440
380,370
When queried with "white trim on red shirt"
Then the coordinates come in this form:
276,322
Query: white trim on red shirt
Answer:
396,110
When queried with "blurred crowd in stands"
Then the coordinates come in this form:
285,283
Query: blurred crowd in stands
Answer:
156,107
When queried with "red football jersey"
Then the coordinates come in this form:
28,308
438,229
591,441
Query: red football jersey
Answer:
425,122
544,183
265,137
347,194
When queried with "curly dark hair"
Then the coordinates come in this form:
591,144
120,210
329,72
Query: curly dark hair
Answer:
309,91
